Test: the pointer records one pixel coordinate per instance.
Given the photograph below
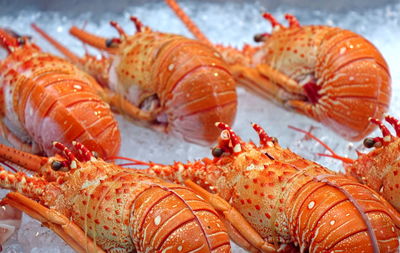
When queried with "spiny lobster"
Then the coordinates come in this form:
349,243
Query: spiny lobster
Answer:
329,74
380,168
273,199
97,206
44,98
173,83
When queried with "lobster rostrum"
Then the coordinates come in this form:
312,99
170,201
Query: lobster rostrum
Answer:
97,206
379,168
273,199
45,98
329,74
173,83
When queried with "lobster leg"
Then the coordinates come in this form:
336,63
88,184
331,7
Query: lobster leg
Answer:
57,222
232,216
120,104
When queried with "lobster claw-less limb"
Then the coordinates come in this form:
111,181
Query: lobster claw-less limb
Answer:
61,225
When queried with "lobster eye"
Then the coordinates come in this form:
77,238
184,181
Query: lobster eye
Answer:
274,139
112,43
368,142
56,165
217,152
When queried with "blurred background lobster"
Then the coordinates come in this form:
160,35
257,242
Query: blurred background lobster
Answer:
44,98
283,200
332,75
97,206
380,168
172,83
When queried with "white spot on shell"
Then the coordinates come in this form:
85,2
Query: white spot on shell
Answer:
387,138
216,54
332,222
180,248
171,67
237,148
351,78
157,220
73,165
77,86
342,50
311,204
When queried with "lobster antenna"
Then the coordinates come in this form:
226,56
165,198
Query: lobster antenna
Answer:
190,25
74,58
293,22
134,161
395,124
333,154
265,139
237,148
121,31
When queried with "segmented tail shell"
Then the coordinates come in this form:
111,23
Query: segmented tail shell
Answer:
355,83
195,88
171,217
335,213
48,99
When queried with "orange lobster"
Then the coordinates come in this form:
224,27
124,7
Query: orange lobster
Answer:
273,199
44,98
173,83
332,75
380,168
97,206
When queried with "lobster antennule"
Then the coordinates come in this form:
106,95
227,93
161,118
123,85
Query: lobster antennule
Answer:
119,29
70,55
26,160
138,24
293,22
268,16
237,148
395,124
332,155
387,137
265,139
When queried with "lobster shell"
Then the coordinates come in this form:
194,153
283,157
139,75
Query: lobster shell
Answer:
97,206
45,99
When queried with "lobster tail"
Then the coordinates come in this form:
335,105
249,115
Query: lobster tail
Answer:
335,213
200,92
177,215
355,83
51,100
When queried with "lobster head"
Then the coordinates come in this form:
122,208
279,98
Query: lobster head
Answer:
230,145
10,40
